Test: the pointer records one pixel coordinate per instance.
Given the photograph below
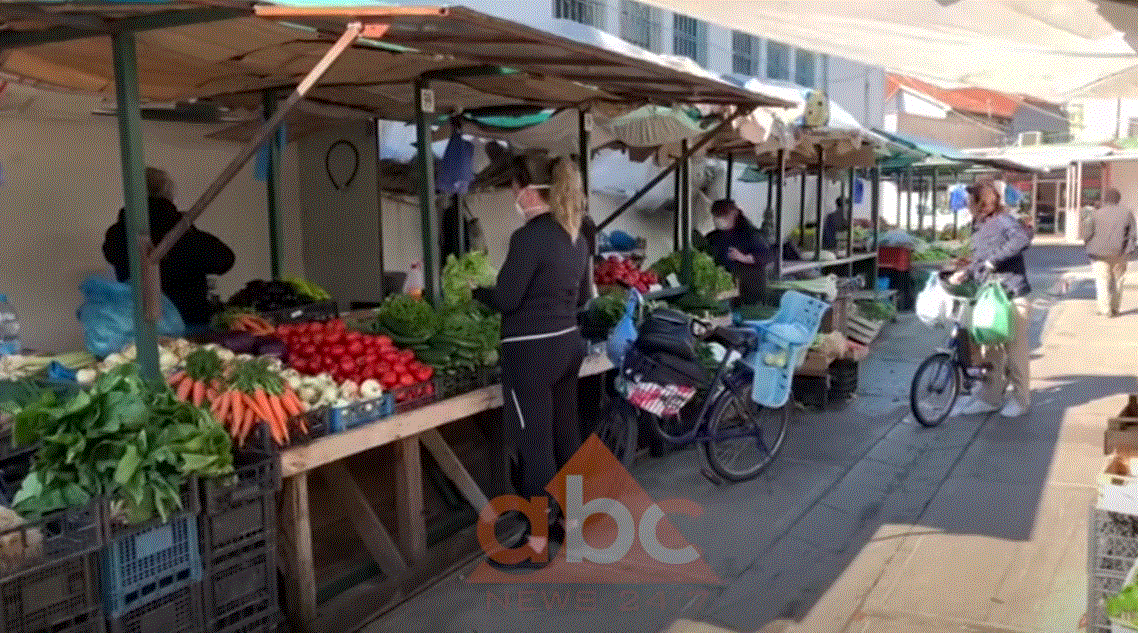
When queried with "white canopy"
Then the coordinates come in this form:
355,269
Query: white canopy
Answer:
1050,49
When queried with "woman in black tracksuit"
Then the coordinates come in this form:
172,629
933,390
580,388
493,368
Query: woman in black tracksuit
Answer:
541,286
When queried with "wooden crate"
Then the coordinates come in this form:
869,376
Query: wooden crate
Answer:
1122,430
834,320
861,329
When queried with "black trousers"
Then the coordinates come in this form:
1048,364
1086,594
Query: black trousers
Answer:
539,390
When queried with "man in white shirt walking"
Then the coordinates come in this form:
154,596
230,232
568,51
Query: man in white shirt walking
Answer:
1110,241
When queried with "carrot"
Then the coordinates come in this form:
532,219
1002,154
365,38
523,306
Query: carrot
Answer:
238,406
199,393
175,378
245,426
291,403
184,389
282,417
222,404
262,400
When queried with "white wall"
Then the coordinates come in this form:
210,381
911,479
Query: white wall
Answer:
63,188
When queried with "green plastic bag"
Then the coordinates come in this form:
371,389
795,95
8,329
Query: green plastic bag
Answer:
992,316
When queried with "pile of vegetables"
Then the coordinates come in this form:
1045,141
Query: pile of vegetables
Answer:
877,310
17,367
466,341
307,290
329,347
461,274
268,296
253,324
123,439
406,320
708,279
608,308
615,270
1124,606
936,253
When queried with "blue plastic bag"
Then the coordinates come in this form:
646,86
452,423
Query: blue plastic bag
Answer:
624,334
107,315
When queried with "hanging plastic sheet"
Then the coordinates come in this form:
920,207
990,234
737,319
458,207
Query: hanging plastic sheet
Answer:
456,171
958,197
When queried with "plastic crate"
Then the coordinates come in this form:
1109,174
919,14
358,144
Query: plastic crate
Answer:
53,537
145,566
341,419
62,596
116,528
843,378
465,381
894,257
177,612
252,521
413,397
241,588
320,311
317,423
257,473
1111,552
254,618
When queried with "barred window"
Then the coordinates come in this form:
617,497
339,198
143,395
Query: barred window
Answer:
745,49
690,38
640,25
805,68
778,61
590,12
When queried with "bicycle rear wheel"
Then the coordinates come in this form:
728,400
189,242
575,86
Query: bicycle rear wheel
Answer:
936,385
619,429
745,436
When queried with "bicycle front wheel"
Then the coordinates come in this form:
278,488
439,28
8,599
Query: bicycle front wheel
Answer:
745,436
936,385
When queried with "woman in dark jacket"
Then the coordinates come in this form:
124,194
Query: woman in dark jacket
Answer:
738,246
184,269
543,283
998,243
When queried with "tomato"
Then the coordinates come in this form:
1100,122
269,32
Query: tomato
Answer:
423,374
352,335
390,379
334,337
399,369
384,341
337,351
407,355
391,358
383,367
406,380
336,325
348,364
355,348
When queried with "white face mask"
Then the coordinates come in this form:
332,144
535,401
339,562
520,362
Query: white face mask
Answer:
724,223
524,212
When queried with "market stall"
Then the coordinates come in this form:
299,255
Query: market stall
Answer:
468,61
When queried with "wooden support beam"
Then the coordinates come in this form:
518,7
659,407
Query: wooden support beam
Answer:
296,533
376,538
453,468
409,499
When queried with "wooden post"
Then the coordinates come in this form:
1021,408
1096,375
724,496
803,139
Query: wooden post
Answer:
296,532
409,499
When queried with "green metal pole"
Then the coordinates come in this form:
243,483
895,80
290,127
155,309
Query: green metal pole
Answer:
802,210
933,204
427,213
777,243
849,223
134,197
730,176
818,201
874,220
686,224
273,185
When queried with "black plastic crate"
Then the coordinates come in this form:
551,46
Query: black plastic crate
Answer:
60,597
230,531
241,587
257,473
320,311
51,538
258,617
117,527
176,612
464,381
413,397
145,566
316,425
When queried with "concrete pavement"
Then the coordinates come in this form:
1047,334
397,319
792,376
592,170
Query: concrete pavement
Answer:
867,522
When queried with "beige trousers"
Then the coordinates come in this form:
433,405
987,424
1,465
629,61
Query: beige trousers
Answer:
1011,361
1109,274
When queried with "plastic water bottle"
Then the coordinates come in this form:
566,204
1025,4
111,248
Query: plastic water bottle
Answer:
9,328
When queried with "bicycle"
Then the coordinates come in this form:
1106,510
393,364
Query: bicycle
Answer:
946,371
739,437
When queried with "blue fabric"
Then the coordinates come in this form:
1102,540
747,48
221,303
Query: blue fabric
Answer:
835,222
958,198
107,315
456,170
858,190
1012,196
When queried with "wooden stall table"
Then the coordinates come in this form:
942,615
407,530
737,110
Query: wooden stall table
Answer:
409,432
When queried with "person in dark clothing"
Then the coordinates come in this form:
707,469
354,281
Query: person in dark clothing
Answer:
541,286
738,246
184,269
835,222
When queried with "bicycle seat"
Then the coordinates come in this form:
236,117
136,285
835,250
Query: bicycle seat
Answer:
734,338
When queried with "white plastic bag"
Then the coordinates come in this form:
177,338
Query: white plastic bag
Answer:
934,303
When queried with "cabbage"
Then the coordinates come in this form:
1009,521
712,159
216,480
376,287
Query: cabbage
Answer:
460,274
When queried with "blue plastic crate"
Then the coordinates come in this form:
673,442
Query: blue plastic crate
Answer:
144,566
341,419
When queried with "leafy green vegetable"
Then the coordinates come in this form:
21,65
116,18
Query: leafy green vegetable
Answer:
408,318
708,279
1124,606
123,439
609,307
461,274
467,339
877,310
